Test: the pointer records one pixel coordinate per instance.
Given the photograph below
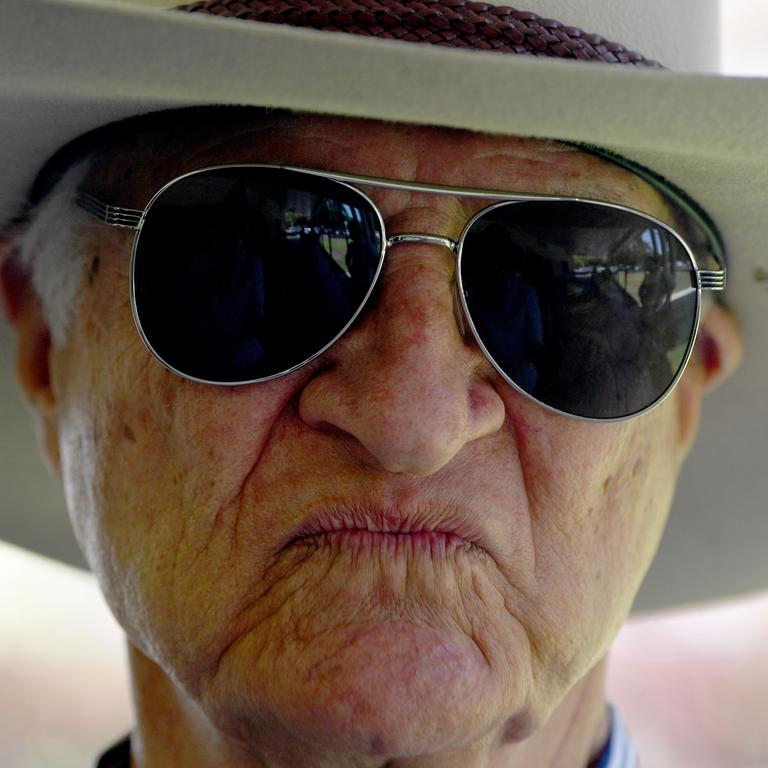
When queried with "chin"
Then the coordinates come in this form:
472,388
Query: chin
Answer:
387,689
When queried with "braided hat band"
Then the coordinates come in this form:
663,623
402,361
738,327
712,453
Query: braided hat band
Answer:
455,23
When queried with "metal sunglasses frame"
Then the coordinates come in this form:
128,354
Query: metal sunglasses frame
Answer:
133,219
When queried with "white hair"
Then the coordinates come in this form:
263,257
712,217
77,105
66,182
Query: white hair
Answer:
52,247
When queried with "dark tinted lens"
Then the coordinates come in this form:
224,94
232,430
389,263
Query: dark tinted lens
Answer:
588,308
242,273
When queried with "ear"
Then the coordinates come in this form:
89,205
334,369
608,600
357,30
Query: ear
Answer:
23,310
717,354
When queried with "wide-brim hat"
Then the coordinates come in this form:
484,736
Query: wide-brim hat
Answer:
70,66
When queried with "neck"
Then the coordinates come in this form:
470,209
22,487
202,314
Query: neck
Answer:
173,730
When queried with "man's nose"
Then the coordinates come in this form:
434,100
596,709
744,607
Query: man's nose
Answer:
404,386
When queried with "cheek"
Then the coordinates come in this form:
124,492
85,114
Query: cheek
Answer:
634,503
153,467
599,497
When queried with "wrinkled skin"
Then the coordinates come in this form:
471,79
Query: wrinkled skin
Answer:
184,496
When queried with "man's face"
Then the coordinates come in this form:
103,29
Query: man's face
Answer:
186,497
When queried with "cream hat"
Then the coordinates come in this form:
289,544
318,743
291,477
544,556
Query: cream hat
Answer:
69,66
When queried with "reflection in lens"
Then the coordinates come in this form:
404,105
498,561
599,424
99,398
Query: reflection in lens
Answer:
588,308
242,273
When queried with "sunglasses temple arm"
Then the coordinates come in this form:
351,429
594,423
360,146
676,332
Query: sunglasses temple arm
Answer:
114,216
712,279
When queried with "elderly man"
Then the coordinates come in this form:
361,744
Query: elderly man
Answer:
369,430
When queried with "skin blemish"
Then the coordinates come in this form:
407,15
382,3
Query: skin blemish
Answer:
94,270
169,398
637,468
128,434
606,483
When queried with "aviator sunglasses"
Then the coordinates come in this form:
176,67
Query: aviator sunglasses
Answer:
242,273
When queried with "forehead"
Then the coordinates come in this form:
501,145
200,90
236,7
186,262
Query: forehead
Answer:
155,153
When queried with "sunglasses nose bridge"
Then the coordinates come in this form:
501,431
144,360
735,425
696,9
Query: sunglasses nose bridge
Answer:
459,310
420,237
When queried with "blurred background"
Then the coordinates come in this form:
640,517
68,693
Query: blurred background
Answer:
744,40
65,689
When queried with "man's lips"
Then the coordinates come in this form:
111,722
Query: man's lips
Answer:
434,543
391,528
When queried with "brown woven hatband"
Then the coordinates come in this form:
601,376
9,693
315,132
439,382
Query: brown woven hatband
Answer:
456,23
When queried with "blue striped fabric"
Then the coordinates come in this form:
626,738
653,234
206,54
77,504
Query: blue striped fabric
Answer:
619,753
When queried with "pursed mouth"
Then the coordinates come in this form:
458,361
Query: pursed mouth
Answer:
412,533
434,543
438,529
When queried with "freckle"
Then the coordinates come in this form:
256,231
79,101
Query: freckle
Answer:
128,434
607,483
636,469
